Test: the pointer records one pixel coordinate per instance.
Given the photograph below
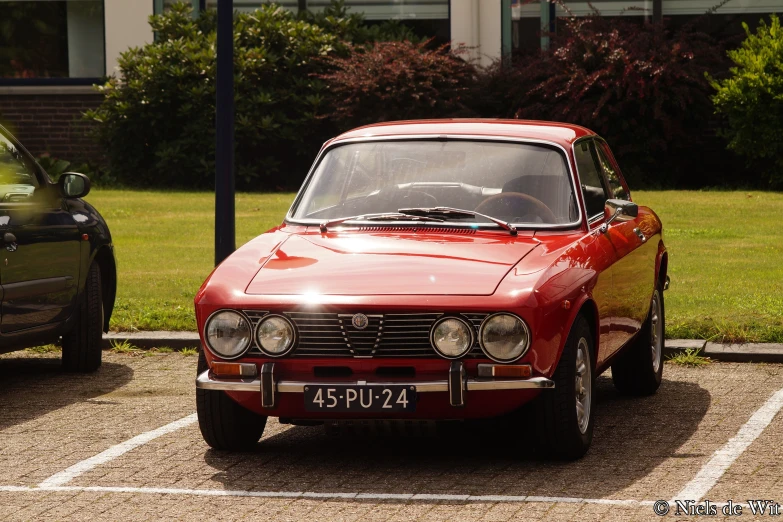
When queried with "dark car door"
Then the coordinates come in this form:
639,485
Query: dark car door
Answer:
40,256
634,271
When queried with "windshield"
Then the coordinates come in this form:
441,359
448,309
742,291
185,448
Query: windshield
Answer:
514,182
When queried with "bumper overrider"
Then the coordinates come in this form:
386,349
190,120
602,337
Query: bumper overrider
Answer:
456,383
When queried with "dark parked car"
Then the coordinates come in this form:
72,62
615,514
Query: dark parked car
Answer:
57,269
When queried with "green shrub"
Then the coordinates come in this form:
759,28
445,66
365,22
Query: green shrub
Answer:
156,122
751,99
56,167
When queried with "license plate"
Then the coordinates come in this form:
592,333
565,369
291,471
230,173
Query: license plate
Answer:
370,399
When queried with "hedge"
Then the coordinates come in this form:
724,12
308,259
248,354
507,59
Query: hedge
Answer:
752,100
301,79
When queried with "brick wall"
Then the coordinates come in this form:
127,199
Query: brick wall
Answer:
49,120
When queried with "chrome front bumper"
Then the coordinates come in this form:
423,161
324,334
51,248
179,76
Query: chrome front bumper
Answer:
456,384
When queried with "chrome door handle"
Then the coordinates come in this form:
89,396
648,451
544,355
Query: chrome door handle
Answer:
638,232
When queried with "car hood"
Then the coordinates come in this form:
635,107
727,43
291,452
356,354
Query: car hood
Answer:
416,263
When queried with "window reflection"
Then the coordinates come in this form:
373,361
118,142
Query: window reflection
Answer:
52,39
17,181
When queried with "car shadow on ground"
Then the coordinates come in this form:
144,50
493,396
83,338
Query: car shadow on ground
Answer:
34,386
632,436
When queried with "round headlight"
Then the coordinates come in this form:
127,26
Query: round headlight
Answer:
504,337
275,335
452,337
228,334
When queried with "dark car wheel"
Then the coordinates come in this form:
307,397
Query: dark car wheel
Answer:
639,369
224,424
82,345
565,414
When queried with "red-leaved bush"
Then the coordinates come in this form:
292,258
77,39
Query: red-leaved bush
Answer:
641,86
396,81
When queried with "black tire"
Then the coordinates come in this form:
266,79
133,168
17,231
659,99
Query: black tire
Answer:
638,370
82,345
224,424
559,432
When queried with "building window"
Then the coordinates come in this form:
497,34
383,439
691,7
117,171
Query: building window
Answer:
426,18
371,9
52,39
529,24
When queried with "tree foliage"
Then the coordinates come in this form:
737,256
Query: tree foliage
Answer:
641,86
397,81
752,99
157,118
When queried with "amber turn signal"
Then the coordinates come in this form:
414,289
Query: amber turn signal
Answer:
227,369
498,370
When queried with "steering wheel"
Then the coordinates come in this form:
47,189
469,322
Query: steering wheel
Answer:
506,204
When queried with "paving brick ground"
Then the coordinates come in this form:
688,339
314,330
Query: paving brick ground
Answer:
644,449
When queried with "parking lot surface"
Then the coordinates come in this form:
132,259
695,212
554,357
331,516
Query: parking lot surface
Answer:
123,444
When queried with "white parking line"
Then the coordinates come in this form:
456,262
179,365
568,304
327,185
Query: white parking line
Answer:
707,477
65,476
420,497
724,457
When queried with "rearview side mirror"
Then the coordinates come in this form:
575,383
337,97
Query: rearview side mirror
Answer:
74,185
619,210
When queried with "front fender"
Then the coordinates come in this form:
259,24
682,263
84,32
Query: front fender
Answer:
98,247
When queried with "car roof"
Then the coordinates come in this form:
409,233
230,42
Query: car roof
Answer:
563,134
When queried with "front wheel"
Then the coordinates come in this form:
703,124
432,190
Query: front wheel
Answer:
224,424
82,345
639,369
565,414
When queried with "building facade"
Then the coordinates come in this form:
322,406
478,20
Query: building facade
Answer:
53,51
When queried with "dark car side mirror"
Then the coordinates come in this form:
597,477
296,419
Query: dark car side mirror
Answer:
74,185
619,210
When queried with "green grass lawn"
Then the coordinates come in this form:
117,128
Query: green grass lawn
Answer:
164,244
725,262
725,254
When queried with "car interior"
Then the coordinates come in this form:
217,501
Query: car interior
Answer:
533,188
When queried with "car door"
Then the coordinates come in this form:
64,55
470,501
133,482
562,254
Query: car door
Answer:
633,275
40,256
597,246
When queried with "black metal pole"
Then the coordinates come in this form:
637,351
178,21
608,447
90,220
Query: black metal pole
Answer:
657,11
224,127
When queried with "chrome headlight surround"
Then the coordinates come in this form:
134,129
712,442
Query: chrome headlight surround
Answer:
464,323
483,332
244,345
257,335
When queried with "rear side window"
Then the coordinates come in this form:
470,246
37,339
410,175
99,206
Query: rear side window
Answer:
590,177
615,185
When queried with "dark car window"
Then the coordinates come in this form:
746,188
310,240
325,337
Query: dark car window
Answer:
615,185
17,180
590,177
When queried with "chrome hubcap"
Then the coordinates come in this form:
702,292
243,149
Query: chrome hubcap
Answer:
583,385
656,332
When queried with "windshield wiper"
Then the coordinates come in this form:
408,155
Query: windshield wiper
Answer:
324,225
456,212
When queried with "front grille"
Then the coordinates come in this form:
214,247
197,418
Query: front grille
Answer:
323,334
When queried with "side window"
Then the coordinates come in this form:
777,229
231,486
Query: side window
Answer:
615,185
17,181
590,177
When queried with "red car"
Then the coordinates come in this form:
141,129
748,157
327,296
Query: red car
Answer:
439,270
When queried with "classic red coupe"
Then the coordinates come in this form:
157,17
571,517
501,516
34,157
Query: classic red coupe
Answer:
439,270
